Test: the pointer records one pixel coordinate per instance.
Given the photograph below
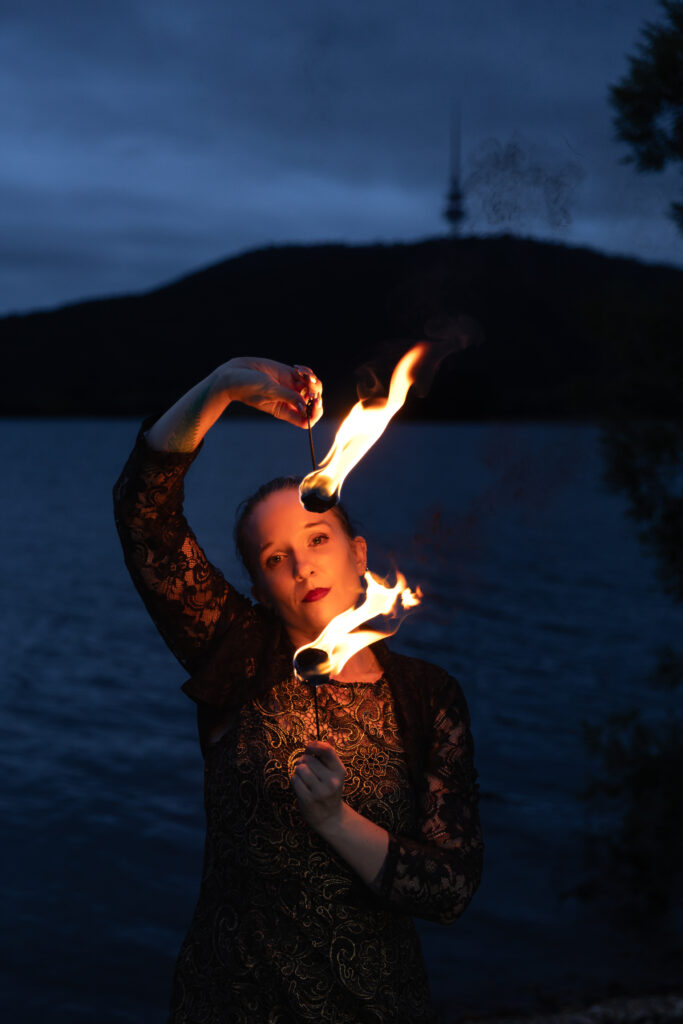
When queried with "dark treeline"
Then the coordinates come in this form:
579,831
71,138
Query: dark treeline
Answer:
568,332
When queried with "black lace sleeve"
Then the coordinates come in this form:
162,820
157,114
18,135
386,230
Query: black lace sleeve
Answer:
184,593
436,877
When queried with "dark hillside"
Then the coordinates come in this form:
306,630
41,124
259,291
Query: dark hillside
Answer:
569,332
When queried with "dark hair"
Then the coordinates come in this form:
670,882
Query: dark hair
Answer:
246,507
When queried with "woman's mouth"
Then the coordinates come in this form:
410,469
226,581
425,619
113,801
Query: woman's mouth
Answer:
316,595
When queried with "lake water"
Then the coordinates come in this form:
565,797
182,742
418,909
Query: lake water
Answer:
538,597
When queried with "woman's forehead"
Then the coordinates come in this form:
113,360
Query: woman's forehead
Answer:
282,513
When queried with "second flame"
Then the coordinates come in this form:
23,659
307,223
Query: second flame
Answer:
341,639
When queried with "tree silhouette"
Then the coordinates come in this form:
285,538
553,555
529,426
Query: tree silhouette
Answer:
648,101
638,861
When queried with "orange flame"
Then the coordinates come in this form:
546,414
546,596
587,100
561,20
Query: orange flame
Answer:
337,639
361,428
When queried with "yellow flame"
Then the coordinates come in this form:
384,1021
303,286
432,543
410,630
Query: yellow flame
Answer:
337,639
361,428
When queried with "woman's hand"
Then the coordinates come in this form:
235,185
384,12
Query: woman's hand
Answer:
317,782
275,388
281,390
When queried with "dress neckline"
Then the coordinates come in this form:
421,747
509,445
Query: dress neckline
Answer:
357,682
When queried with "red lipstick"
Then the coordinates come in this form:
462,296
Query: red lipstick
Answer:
316,595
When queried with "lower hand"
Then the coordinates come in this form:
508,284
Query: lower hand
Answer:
317,782
275,388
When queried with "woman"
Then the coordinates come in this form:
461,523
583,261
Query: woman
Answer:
318,854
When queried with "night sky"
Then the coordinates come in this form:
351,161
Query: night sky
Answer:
145,139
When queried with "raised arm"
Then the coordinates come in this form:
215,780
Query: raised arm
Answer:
185,595
272,387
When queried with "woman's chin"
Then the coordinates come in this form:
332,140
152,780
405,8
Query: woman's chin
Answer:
316,622
312,617
320,614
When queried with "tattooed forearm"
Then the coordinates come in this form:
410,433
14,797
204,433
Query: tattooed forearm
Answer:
184,425
185,434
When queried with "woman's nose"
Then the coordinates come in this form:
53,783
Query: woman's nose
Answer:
303,565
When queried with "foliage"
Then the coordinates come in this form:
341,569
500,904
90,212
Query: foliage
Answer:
648,101
644,459
636,865
635,856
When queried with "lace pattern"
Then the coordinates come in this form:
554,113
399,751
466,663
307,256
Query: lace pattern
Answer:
184,594
279,911
436,876
280,916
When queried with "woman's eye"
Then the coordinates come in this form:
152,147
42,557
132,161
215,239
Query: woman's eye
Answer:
273,560
319,538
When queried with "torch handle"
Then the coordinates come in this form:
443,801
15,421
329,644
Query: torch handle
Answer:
317,723
309,409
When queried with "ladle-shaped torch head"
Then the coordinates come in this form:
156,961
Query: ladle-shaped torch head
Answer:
319,491
310,664
316,500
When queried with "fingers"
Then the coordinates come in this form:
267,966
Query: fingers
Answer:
291,412
313,385
281,390
290,404
285,404
325,754
322,759
311,390
316,410
319,747
306,769
317,778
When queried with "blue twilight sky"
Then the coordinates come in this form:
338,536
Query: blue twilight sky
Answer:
148,138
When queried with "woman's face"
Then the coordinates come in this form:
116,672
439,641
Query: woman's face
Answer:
309,568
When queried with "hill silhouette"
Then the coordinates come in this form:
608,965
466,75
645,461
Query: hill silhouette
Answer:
569,333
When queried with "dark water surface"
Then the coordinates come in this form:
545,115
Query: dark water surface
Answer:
538,598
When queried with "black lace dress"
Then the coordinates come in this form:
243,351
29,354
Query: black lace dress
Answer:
284,930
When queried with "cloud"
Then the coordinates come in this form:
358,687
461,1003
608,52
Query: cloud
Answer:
176,134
